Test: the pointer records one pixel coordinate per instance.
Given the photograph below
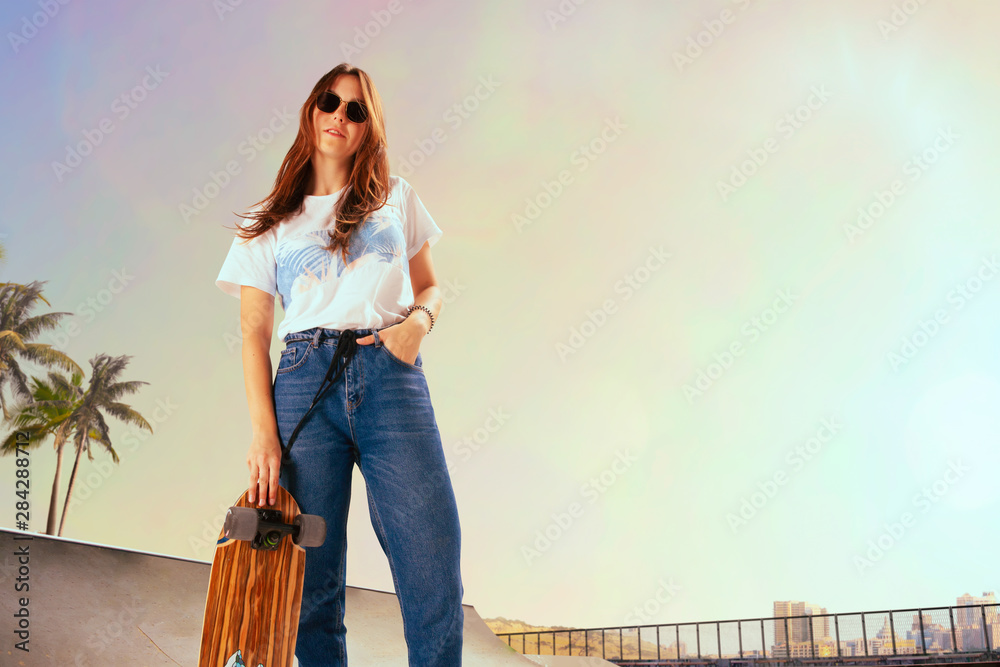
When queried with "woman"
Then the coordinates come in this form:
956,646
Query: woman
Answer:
347,248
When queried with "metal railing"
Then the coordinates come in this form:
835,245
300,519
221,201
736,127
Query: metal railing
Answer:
964,629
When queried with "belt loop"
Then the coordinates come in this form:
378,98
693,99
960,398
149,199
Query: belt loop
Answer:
315,340
375,334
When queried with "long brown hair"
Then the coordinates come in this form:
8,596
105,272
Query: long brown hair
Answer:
367,188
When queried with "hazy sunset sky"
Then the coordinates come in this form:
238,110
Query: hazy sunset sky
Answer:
721,281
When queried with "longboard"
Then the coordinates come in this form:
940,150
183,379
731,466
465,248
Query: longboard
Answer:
255,589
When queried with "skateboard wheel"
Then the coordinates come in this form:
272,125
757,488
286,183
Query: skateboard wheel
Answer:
312,530
241,523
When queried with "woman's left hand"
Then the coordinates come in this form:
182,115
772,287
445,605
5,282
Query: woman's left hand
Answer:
402,339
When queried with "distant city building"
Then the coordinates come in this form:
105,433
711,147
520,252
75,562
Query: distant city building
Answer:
671,651
799,643
798,628
937,636
881,643
970,633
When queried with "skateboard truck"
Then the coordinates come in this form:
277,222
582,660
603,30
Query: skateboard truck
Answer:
264,528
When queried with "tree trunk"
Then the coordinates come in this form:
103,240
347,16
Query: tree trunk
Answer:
50,526
69,491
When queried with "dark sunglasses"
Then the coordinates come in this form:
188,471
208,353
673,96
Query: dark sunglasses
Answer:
328,103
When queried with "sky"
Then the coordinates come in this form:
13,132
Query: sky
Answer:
720,281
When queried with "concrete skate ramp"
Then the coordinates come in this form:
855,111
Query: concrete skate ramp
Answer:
567,661
90,604
375,634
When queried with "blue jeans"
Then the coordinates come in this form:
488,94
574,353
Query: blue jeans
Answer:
377,414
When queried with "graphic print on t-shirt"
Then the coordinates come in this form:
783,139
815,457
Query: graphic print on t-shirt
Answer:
304,262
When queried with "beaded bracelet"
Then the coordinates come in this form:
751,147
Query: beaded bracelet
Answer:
426,310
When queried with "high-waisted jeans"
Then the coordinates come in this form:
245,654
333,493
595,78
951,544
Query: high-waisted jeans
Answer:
377,414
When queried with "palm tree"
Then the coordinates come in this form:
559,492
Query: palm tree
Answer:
16,330
87,420
48,414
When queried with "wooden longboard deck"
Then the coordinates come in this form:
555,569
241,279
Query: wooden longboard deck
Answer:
254,597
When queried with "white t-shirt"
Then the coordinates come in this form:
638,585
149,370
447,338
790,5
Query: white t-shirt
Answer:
314,286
